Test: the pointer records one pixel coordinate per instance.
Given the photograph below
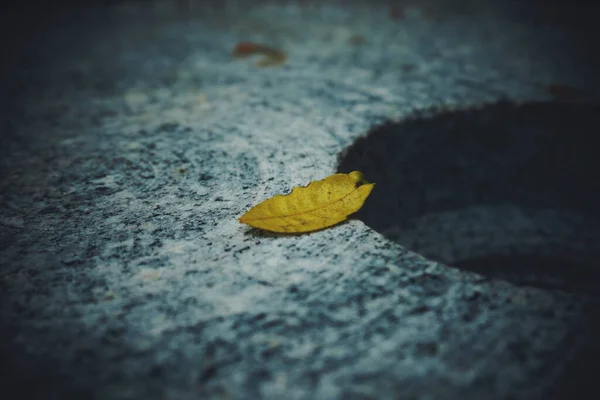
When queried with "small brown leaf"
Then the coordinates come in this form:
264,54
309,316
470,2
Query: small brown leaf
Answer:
357,39
272,56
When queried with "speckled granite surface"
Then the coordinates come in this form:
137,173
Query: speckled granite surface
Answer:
132,141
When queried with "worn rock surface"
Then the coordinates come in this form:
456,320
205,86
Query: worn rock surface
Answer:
132,141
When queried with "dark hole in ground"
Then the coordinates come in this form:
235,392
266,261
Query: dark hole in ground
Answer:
509,191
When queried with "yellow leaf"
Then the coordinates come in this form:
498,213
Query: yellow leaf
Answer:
318,205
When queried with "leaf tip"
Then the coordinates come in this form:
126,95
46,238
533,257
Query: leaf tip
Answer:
369,188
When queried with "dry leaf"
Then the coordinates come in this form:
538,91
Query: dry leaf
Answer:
318,205
272,56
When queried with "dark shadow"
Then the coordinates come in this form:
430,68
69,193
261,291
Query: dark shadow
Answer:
261,233
28,377
577,367
509,191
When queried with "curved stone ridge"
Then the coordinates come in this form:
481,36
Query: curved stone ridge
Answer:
507,190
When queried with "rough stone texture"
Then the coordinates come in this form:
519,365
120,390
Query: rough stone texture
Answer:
132,141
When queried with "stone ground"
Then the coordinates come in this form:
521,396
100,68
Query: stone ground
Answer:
132,140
